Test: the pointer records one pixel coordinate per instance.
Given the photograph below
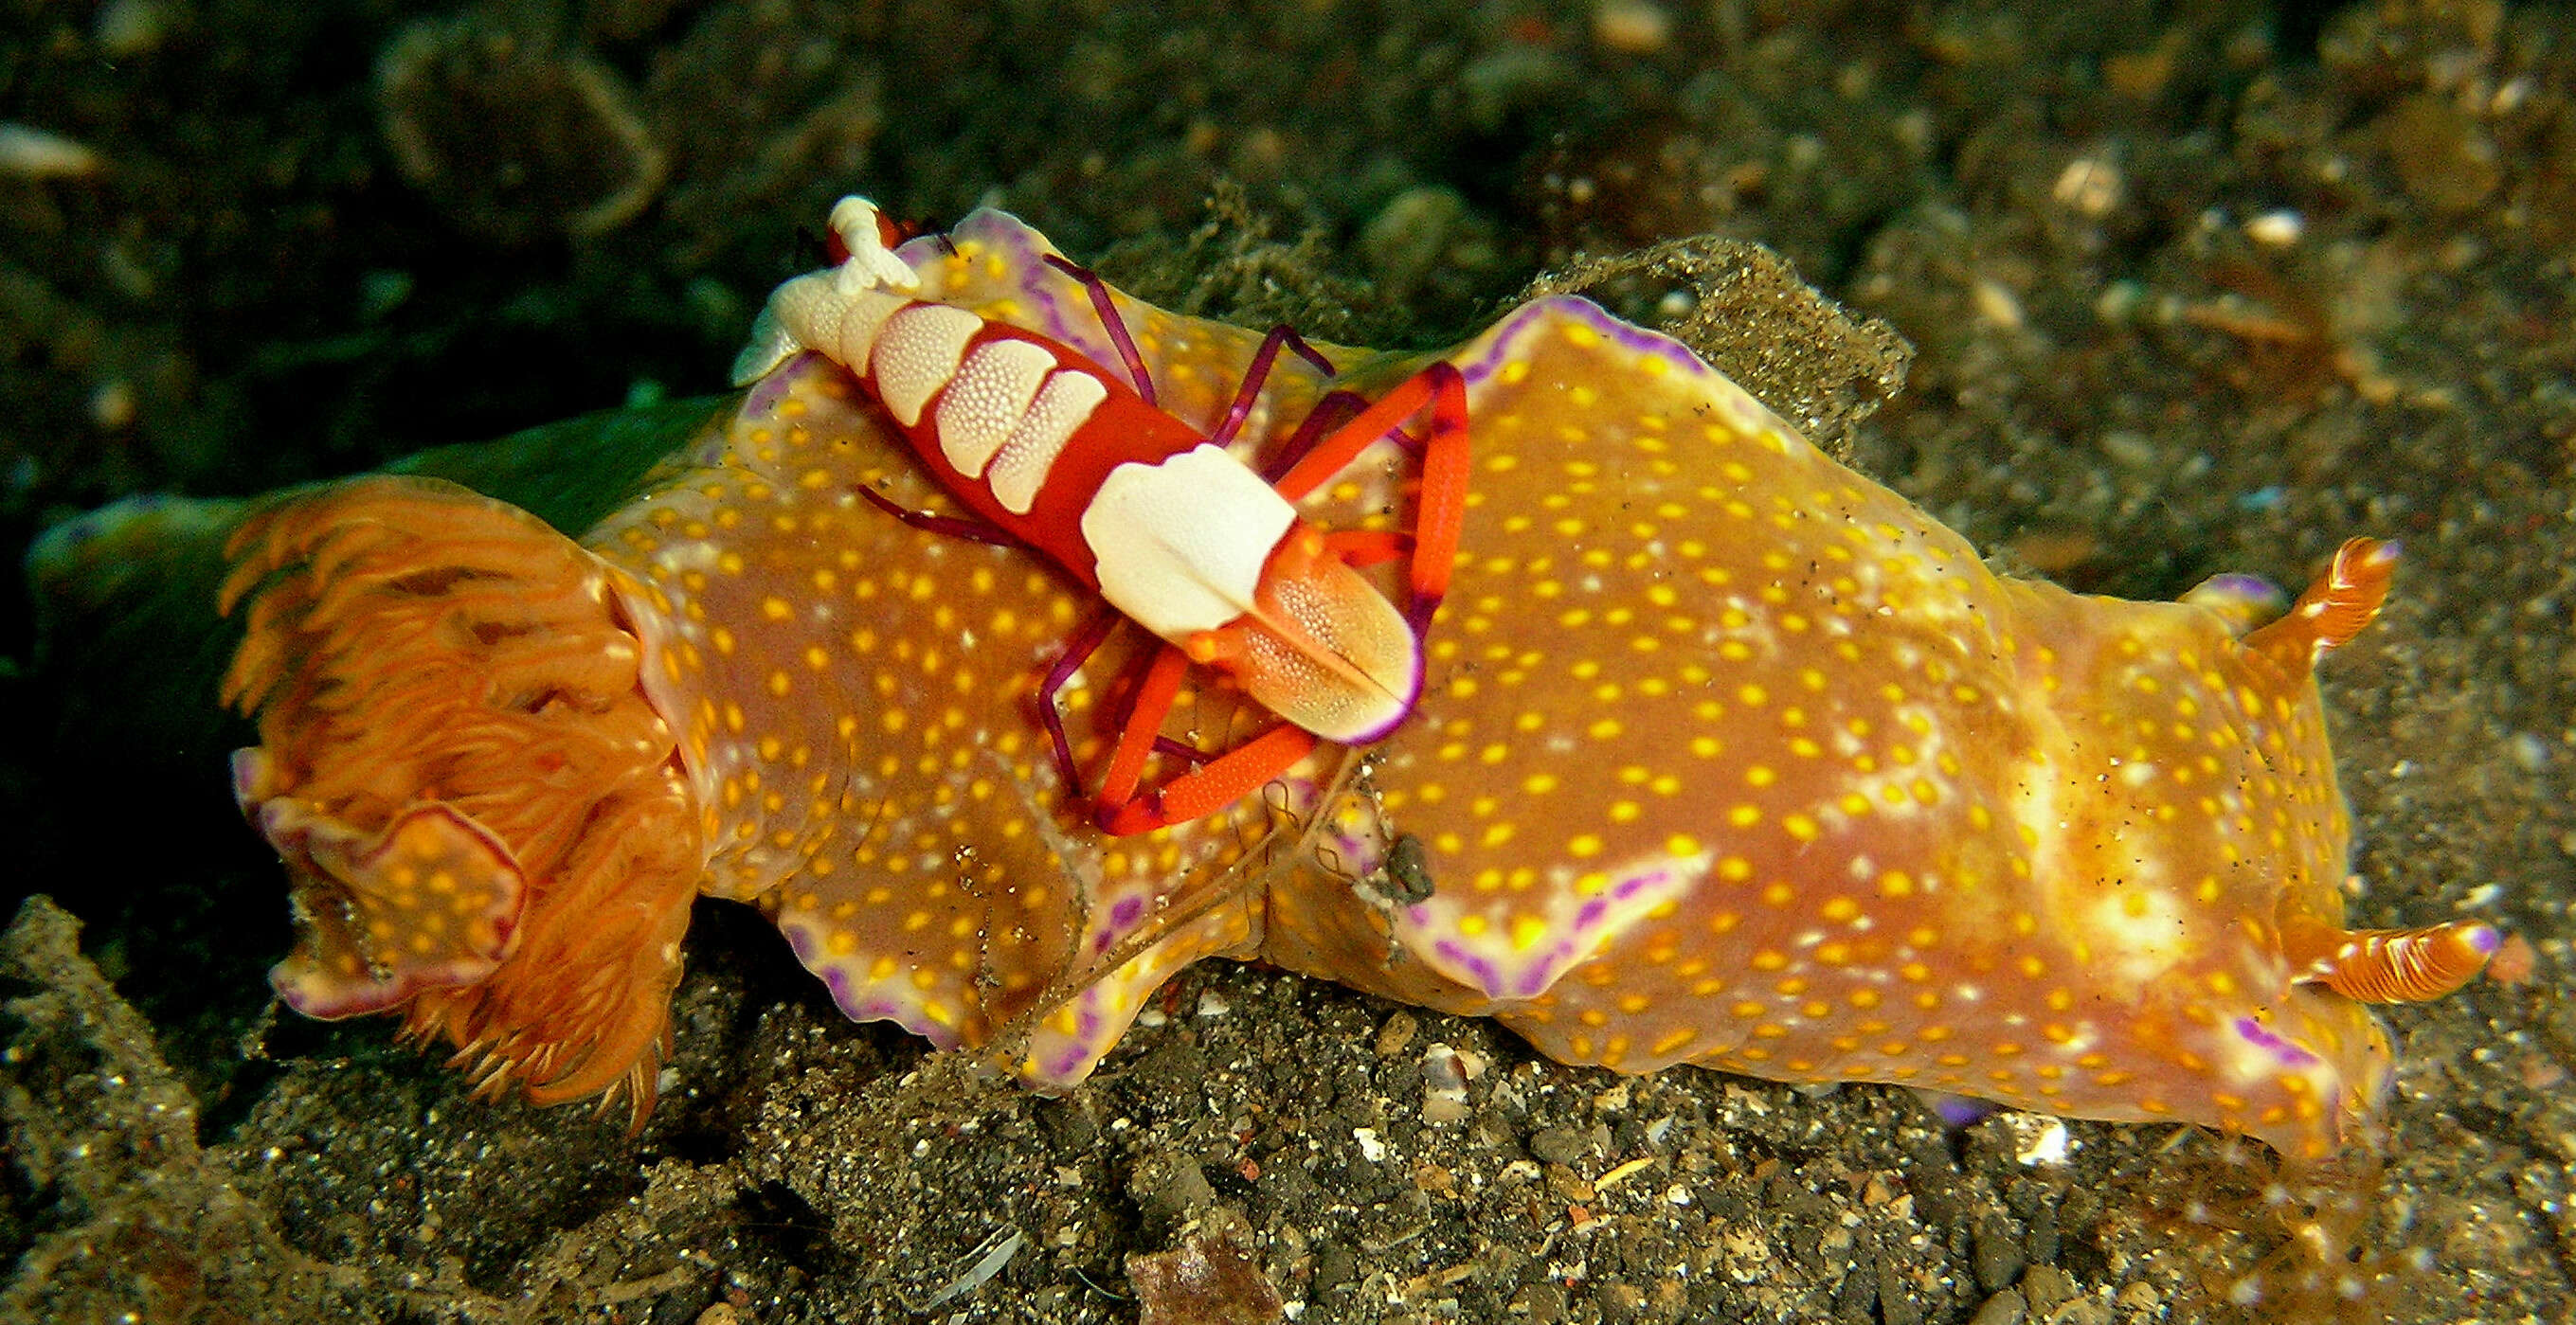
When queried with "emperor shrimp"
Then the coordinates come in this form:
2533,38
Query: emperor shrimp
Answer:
1170,528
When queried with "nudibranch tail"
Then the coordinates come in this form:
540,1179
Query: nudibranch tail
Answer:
2334,609
480,808
2398,965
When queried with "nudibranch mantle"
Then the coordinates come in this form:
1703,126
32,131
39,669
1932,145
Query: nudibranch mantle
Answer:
1733,757
1726,755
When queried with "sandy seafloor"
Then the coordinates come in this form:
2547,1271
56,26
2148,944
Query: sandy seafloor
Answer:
2193,286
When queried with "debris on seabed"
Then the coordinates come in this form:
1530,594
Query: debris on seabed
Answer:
1210,1279
986,1261
27,152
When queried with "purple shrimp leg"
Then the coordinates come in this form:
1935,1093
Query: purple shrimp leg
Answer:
1110,322
1077,651
1331,412
973,531
1085,642
1257,375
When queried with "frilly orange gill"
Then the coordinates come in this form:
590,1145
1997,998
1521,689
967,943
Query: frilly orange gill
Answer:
476,803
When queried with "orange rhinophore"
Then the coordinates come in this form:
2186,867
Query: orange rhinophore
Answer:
2403,965
2334,609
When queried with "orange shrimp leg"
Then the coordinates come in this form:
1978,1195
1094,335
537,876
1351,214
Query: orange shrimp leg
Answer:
1212,786
1333,434
1334,410
1367,547
1441,510
1138,736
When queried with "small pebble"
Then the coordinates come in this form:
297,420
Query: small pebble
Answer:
1996,1256
1396,1033
2443,157
1539,1303
2090,186
1557,1145
1997,305
2039,1141
113,405
1639,27
2276,229
2004,1308
1169,1188
32,153
1208,1277
1445,1073
128,28
2045,1286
